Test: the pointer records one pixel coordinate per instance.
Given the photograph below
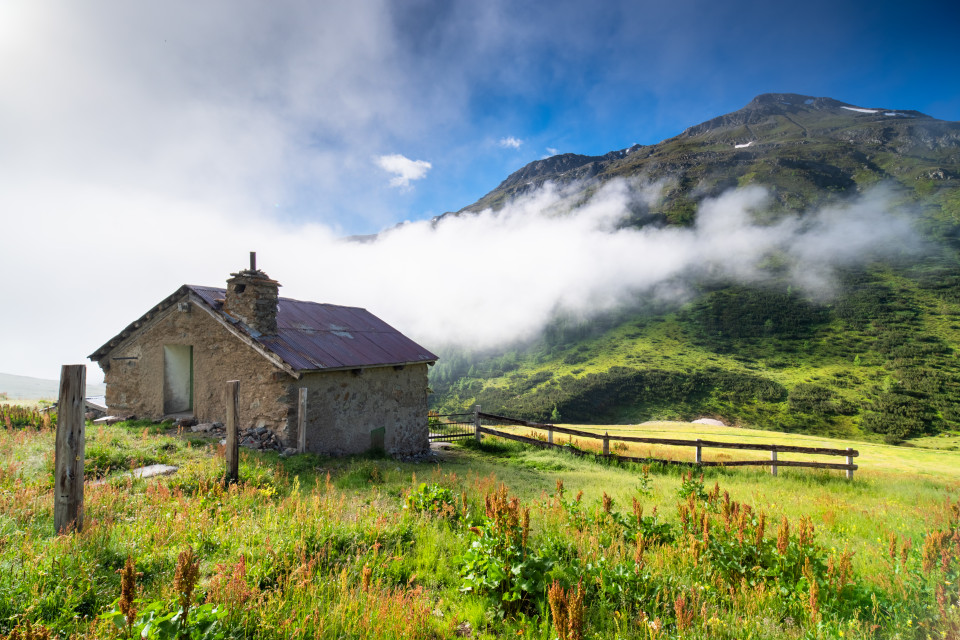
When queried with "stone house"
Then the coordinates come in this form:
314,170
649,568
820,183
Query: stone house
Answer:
366,382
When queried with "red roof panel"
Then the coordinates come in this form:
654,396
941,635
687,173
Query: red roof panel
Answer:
312,336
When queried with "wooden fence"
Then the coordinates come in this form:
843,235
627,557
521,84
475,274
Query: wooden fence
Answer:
699,445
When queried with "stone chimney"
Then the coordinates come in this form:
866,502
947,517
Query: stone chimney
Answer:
252,297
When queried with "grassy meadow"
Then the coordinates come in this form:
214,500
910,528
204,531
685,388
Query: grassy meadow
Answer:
491,540
876,361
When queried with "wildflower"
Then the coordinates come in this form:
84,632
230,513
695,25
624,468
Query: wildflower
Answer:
641,547
813,602
567,609
742,523
783,536
684,610
128,591
932,547
761,524
29,632
185,579
367,572
525,524
905,549
637,511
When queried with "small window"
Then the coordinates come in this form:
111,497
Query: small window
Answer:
239,288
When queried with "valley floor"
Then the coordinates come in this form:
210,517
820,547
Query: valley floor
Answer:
493,540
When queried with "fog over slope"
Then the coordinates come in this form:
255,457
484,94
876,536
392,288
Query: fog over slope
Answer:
486,279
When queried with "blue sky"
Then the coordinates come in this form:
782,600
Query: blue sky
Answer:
144,145
583,78
287,106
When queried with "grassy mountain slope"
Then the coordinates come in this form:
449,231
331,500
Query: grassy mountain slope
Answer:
879,359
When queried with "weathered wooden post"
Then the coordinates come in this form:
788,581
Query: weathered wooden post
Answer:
69,454
850,463
550,434
302,421
606,443
773,460
699,451
233,441
476,423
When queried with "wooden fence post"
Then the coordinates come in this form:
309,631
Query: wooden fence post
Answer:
699,451
773,460
233,441
302,421
476,423
606,443
70,448
850,462
550,435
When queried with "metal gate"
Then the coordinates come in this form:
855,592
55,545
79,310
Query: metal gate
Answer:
450,426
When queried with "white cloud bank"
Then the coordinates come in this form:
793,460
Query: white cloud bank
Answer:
474,280
147,145
404,169
510,142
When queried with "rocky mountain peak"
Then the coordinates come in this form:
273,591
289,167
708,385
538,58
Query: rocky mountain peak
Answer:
804,148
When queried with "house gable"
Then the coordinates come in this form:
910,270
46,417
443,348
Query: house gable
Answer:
171,304
207,352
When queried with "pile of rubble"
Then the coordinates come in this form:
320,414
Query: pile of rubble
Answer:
260,438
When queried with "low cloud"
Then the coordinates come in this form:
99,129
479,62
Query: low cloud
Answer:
477,281
404,168
547,253
510,142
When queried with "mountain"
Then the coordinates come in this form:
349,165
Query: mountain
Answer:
804,148
878,360
14,388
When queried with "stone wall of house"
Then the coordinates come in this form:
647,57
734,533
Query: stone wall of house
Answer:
344,407
135,376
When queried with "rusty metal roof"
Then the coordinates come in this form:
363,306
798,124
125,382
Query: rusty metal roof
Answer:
312,335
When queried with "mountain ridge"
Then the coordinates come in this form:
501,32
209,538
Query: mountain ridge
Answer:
879,360
826,143
16,387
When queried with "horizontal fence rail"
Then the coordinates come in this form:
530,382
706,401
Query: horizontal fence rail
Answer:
699,445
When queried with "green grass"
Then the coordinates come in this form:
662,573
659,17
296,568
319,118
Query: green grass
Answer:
311,546
876,363
926,457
